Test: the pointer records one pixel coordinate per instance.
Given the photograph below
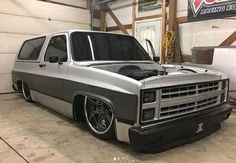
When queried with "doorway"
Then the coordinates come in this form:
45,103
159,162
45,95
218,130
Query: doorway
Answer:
149,29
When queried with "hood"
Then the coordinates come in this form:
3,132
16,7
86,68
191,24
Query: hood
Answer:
152,74
143,70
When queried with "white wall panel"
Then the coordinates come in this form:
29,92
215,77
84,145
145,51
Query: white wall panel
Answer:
19,24
10,43
182,6
186,38
23,19
205,33
5,81
37,9
8,61
81,3
212,32
123,14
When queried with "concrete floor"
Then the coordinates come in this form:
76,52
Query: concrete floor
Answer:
31,133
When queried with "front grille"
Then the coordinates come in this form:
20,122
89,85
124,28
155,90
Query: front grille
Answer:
179,100
205,103
177,109
180,109
189,90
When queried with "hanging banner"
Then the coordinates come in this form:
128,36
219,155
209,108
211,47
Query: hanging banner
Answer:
210,9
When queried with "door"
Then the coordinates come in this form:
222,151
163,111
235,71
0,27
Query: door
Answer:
151,30
51,83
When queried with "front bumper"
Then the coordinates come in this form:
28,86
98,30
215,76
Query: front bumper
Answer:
178,131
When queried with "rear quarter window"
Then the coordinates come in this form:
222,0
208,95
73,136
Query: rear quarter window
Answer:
30,50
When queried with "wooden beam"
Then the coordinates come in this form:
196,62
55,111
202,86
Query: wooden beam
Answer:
148,17
172,14
181,20
163,30
96,29
103,20
96,14
229,40
115,28
122,28
133,17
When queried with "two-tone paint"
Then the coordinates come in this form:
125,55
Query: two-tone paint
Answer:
56,85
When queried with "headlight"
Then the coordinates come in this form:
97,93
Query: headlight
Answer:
224,83
223,98
149,96
148,114
224,86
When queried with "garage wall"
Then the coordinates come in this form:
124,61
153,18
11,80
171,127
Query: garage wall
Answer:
202,33
193,34
123,11
22,19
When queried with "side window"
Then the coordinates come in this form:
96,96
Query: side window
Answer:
57,47
31,49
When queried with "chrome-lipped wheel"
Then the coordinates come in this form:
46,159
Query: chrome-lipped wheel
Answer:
99,115
26,92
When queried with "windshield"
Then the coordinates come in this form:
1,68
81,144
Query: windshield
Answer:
89,46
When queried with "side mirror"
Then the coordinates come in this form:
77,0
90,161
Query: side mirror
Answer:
156,59
152,50
53,59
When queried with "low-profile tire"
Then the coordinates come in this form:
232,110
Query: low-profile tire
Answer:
26,92
99,117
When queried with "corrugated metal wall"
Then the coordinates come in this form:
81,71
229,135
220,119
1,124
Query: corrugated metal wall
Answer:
22,19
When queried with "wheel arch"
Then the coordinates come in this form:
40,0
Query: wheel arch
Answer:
78,104
19,85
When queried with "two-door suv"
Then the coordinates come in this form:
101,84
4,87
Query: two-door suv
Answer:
111,83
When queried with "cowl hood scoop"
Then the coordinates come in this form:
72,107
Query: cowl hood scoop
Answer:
137,73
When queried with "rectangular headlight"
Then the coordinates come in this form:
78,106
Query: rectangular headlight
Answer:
148,114
223,98
224,84
149,96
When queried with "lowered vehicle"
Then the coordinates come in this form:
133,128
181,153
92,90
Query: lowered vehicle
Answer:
109,82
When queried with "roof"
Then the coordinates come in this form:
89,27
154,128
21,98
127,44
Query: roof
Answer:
71,31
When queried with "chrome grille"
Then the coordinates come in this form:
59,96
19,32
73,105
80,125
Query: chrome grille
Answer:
183,99
189,90
205,103
180,109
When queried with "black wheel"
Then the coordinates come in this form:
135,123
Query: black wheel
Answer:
99,117
26,92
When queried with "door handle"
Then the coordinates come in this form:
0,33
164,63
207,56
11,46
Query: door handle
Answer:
42,65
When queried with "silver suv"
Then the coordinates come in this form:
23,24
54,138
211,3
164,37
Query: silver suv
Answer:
109,82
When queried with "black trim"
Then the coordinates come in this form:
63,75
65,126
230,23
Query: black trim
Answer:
125,121
178,131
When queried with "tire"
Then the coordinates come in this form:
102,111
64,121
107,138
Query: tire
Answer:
99,117
26,92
